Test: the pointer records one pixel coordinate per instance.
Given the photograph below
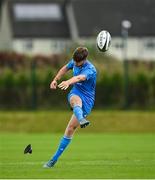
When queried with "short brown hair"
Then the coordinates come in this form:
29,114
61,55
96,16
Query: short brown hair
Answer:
80,54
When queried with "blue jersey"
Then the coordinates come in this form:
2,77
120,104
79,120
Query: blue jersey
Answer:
85,89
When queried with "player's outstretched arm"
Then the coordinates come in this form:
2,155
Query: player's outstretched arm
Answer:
59,75
65,84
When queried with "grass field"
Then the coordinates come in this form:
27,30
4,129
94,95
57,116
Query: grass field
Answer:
89,156
118,144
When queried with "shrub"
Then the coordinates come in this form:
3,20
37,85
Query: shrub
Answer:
139,89
109,90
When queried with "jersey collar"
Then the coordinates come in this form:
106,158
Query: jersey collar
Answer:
84,64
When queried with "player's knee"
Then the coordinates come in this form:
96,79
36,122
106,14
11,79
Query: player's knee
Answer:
75,101
74,104
71,129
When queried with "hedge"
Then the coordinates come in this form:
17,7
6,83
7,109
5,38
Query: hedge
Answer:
20,90
25,80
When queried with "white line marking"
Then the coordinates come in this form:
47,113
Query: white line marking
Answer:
103,162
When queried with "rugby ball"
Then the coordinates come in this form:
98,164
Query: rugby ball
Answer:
103,40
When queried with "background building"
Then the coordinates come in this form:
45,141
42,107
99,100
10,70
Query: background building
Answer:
47,26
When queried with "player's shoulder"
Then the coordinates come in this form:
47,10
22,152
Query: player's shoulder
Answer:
91,65
71,61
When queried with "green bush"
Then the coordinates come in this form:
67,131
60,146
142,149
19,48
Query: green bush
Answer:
109,90
18,90
153,89
8,80
25,81
139,90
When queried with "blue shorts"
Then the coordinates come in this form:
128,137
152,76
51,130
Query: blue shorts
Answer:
87,103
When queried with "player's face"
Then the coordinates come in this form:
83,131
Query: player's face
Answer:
79,63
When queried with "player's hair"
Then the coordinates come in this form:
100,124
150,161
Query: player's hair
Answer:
80,54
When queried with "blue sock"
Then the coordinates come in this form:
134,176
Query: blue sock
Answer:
78,112
62,146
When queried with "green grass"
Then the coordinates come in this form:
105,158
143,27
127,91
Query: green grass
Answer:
118,144
56,121
89,156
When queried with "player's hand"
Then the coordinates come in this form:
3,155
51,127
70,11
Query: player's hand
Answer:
53,84
63,85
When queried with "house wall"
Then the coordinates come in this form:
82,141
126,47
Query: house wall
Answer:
137,48
43,46
140,48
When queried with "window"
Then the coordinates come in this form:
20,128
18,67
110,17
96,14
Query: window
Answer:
33,12
28,45
150,44
119,45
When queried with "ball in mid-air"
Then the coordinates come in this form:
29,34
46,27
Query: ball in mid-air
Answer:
103,40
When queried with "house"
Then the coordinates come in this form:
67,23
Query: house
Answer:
46,26
95,15
36,26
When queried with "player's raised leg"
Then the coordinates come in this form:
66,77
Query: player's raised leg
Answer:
64,142
76,104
